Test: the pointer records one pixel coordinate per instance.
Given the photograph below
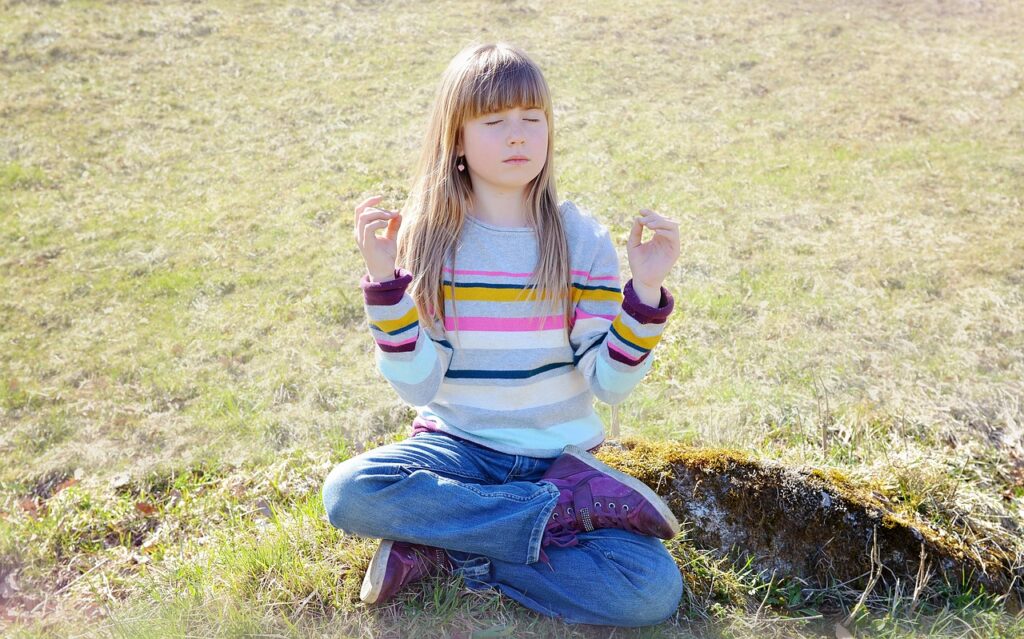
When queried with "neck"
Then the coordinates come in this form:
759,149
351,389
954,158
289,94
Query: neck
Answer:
499,209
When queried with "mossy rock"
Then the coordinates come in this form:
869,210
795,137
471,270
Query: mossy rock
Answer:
814,525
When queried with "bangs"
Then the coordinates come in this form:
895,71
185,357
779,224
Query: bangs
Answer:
507,85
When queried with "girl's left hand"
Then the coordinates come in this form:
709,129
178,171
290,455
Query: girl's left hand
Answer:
650,261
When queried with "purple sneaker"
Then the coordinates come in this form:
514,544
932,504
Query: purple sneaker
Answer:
595,495
398,563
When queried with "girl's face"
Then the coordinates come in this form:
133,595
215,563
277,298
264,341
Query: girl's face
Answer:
489,141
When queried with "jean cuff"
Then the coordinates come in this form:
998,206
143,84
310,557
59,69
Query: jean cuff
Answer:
475,569
537,536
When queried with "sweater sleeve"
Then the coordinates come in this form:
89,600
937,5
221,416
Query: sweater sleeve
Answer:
409,358
613,332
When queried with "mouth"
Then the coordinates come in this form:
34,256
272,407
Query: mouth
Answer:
517,160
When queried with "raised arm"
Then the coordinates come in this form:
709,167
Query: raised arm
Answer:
412,361
614,332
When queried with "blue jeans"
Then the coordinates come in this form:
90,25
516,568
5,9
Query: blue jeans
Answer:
488,510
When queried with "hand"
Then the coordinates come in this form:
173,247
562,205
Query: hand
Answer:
379,253
650,261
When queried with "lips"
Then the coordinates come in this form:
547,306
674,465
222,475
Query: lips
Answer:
517,157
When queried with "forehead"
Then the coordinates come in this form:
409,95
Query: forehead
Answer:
490,111
513,108
515,87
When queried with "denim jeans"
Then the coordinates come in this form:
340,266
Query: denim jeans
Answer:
488,510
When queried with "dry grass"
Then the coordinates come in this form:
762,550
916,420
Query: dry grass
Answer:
178,280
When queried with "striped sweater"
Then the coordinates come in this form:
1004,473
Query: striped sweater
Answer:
500,377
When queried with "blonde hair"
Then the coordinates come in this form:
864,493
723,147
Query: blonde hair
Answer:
480,79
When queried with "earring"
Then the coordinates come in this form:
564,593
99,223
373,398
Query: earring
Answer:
461,166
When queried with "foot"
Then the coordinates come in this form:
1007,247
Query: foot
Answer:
397,564
595,495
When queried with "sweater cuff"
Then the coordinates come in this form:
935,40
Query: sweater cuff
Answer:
644,313
386,293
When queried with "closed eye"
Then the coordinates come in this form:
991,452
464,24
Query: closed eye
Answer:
527,119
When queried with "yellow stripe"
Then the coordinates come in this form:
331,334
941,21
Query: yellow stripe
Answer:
487,294
627,334
601,295
390,325
484,294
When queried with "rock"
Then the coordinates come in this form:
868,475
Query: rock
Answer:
813,525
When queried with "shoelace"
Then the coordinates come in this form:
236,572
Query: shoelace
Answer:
429,559
609,516
562,536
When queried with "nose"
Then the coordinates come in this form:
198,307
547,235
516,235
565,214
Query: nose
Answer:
516,133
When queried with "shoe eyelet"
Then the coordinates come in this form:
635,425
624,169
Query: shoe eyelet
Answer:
555,516
625,506
611,505
597,504
569,511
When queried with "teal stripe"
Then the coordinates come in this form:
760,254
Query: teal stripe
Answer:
414,371
582,287
626,341
488,374
414,324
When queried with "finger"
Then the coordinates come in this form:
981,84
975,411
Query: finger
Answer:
659,223
360,231
368,201
370,230
649,214
367,228
360,223
365,203
372,213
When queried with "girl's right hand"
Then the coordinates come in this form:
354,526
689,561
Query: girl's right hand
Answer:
379,253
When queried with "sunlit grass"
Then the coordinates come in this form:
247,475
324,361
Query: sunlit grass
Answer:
178,278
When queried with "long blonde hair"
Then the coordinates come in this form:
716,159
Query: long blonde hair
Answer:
480,79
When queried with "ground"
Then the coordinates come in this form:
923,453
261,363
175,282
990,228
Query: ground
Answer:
184,353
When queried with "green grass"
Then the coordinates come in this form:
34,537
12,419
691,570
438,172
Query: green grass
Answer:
178,299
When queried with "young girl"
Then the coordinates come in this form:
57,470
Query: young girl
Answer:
503,322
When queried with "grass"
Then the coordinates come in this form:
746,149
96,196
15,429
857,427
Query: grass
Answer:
178,300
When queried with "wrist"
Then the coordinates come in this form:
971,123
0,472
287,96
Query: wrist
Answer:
379,277
649,295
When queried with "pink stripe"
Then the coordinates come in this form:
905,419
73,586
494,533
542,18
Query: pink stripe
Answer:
580,314
387,343
585,274
503,323
629,356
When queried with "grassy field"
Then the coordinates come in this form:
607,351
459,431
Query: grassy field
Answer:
184,352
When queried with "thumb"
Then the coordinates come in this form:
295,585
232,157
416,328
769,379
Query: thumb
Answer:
636,232
392,230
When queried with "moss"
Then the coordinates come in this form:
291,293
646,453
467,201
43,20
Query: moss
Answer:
739,501
651,461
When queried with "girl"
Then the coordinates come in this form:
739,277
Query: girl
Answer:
503,322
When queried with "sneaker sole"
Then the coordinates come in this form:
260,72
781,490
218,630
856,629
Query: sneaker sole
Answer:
374,578
628,480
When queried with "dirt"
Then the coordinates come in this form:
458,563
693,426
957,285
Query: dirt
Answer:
812,524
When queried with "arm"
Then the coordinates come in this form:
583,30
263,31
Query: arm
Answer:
412,362
615,331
